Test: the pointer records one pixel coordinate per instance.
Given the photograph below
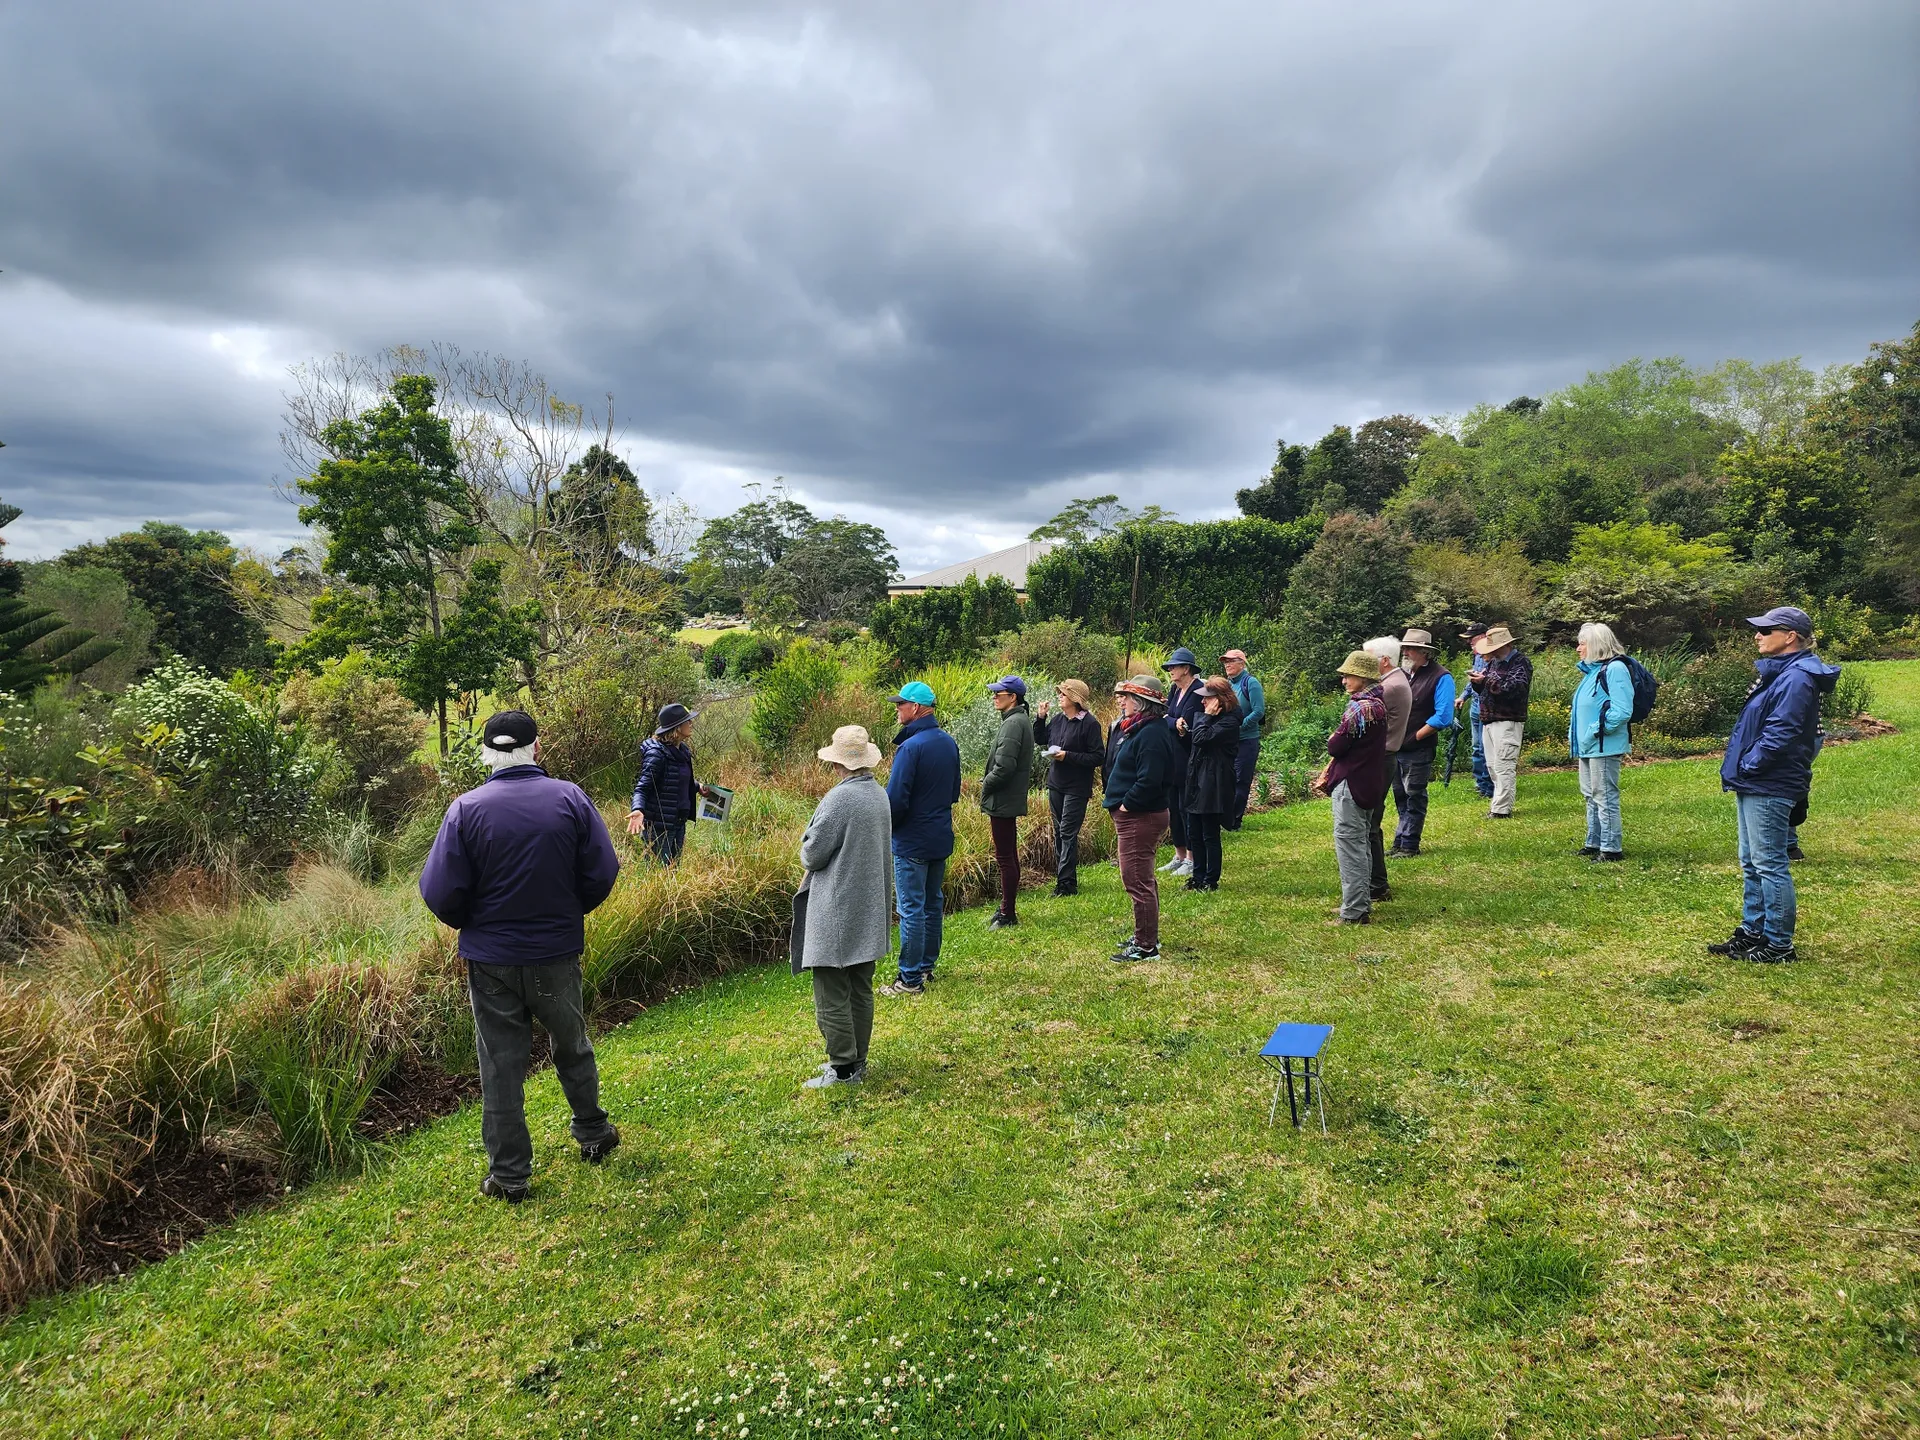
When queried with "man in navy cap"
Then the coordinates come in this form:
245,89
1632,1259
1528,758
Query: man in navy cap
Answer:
516,866
1769,768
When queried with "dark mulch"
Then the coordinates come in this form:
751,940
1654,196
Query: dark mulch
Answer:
171,1200
416,1093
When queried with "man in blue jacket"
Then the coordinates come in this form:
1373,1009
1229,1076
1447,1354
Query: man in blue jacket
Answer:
922,787
1253,710
1769,767
516,866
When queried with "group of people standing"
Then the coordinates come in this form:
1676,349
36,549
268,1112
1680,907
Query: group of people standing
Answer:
520,861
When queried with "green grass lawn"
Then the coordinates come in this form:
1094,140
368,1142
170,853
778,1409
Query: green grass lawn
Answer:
1582,1179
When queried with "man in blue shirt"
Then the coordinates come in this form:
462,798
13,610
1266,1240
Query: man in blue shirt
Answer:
1253,709
1769,768
1482,776
1432,715
922,788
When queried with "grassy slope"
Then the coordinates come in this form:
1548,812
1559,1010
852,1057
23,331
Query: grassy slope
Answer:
1561,1194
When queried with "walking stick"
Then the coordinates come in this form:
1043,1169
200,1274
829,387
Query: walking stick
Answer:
1453,742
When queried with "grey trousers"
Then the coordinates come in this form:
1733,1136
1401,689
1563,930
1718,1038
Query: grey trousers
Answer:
1353,848
843,1009
1502,739
507,999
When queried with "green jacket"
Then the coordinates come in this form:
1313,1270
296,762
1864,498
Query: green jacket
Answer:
1003,789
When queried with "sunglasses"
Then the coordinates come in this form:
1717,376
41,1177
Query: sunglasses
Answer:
1767,629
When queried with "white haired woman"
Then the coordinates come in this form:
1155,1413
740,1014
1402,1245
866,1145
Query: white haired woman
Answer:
1597,734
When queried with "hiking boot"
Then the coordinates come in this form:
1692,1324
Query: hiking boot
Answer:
1398,853
1383,894
1611,857
1000,920
1739,943
1588,852
1339,919
1061,891
829,1077
1794,852
1132,954
900,987
595,1151
1772,955
494,1190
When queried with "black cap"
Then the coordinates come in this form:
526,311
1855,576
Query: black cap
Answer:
1476,630
509,730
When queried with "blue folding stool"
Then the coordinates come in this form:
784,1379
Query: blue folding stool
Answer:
1304,1043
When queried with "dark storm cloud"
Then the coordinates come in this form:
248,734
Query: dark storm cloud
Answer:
933,261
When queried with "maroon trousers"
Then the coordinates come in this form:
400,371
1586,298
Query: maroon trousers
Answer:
1139,837
1006,854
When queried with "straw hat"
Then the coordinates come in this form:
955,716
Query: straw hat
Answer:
1360,665
1143,687
851,748
1418,639
1076,691
1491,641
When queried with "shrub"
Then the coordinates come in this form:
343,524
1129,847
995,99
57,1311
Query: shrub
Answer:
1454,586
1062,648
1355,583
370,731
1240,566
741,654
788,691
1211,637
951,623
1651,586
596,710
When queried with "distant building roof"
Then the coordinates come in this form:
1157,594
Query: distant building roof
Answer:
1010,565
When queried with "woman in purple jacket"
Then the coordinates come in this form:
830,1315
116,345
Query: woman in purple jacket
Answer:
1356,779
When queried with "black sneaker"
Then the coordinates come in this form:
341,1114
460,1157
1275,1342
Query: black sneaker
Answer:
1771,955
494,1190
1132,954
1610,856
1062,891
1588,852
1386,894
1739,943
594,1151
1794,852
1397,853
1000,920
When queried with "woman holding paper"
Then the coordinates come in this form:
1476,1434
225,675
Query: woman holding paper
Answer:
666,797
1071,743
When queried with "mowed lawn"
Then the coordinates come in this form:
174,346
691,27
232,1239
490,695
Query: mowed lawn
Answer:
1581,1179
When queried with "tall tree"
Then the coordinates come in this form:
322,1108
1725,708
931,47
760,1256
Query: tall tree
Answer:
1281,496
185,578
774,558
400,525
1356,581
1093,518
37,642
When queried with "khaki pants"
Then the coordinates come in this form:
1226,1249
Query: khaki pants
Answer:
1502,738
843,1009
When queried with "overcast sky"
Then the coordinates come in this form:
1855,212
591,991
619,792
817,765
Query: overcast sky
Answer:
942,266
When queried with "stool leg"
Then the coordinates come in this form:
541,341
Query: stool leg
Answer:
1293,1109
1323,1097
1275,1104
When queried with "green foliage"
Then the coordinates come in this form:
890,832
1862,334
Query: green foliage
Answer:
596,710
601,514
776,560
1211,636
1343,471
369,731
788,691
1653,587
1239,566
742,654
1354,584
1294,749
1797,505
1061,648
185,580
950,623
1095,517
96,600
1454,586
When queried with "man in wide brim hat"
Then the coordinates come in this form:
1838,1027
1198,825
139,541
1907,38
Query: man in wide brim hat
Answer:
1355,780
1503,683
1183,708
1411,769
1496,639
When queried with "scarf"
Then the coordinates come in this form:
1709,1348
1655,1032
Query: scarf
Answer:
1131,723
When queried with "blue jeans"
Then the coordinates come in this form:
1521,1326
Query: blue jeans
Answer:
917,886
1767,906
1600,783
666,841
1482,777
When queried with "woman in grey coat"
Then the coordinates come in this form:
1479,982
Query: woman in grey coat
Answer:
847,854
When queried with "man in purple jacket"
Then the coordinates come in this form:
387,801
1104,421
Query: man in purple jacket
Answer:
516,866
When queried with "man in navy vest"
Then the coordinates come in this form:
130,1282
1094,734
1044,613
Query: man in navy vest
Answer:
516,867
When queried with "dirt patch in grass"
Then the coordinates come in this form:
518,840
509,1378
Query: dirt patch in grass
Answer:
170,1202
417,1093
1750,1029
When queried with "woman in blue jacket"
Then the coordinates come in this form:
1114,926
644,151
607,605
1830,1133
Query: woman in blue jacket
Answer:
666,796
1598,736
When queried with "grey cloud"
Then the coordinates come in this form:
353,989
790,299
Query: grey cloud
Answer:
943,261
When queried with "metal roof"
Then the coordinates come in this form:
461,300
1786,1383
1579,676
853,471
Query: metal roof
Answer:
1009,564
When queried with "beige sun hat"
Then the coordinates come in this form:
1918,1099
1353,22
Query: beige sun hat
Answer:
1360,665
1491,641
1076,691
1419,639
852,748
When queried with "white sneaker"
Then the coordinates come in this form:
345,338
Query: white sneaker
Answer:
1171,866
1185,867
829,1076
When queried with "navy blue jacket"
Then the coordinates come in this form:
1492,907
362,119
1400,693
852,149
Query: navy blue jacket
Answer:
665,789
517,865
922,788
1140,768
1183,705
1071,773
1773,743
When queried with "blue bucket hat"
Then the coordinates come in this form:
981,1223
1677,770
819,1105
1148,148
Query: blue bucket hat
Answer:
1181,656
1012,684
1783,617
914,692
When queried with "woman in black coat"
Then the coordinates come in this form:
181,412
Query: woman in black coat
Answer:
1071,743
1210,791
